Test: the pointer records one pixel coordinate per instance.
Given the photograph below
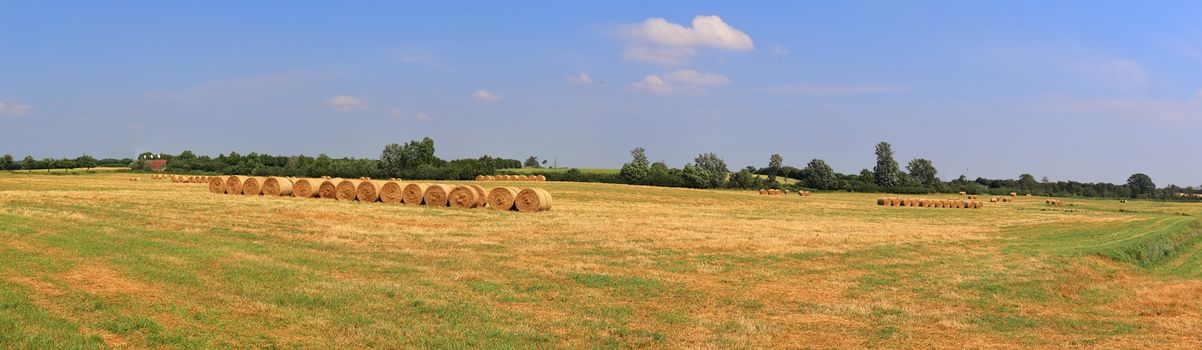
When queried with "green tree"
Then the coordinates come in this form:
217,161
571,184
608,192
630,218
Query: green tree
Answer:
923,171
696,176
637,170
886,170
49,163
85,161
6,162
391,162
745,178
531,162
716,168
1141,185
820,175
28,163
774,164
417,153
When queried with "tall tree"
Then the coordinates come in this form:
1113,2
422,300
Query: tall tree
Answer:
391,162
531,162
886,169
716,167
924,172
636,171
1141,185
85,161
774,164
820,175
6,162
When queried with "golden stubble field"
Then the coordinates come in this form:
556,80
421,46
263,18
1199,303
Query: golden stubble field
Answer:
95,260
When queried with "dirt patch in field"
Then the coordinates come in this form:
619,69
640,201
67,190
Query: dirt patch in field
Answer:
102,280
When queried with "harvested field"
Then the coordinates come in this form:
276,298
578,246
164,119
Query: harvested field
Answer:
86,263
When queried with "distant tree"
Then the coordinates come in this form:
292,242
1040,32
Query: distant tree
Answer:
6,162
696,176
49,163
923,172
820,175
867,176
391,162
716,168
636,171
886,169
186,155
416,153
745,178
531,162
1027,182
85,161
774,164
28,163
1141,185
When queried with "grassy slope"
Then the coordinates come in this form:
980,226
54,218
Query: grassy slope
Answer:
94,259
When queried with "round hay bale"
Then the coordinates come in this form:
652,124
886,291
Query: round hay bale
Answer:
305,188
252,186
463,196
368,191
502,198
392,192
894,201
963,193
277,186
328,188
542,178
437,195
880,200
533,199
481,195
412,194
1012,194
922,202
479,177
905,202
233,184
216,185
346,190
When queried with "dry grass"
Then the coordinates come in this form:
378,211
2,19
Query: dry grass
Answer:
610,266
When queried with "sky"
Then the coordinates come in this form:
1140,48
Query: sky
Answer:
1071,90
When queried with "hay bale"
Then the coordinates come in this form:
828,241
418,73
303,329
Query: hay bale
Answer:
328,189
392,192
763,191
894,202
412,194
252,186
346,190
502,198
464,196
880,200
533,199
216,185
905,202
368,191
437,195
479,177
233,184
277,186
963,193
541,178
1012,194
305,188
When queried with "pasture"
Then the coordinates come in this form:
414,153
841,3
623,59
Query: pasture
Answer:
94,260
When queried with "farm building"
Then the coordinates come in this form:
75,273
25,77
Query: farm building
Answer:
157,164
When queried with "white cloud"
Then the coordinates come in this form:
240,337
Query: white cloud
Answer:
397,114
580,78
485,95
14,109
821,89
657,40
347,103
690,81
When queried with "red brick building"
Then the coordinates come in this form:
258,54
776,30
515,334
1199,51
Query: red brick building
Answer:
157,164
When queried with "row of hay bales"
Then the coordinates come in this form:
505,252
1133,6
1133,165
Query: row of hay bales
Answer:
929,203
511,178
1001,199
1050,201
773,192
197,179
390,191
972,196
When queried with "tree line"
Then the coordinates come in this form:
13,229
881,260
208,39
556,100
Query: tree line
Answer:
416,160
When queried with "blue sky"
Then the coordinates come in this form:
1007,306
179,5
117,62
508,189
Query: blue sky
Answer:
1088,90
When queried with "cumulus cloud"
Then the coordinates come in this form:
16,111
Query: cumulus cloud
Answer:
657,40
485,95
347,103
689,81
14,109
580,78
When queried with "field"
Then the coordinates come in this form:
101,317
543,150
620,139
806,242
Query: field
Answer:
95,260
